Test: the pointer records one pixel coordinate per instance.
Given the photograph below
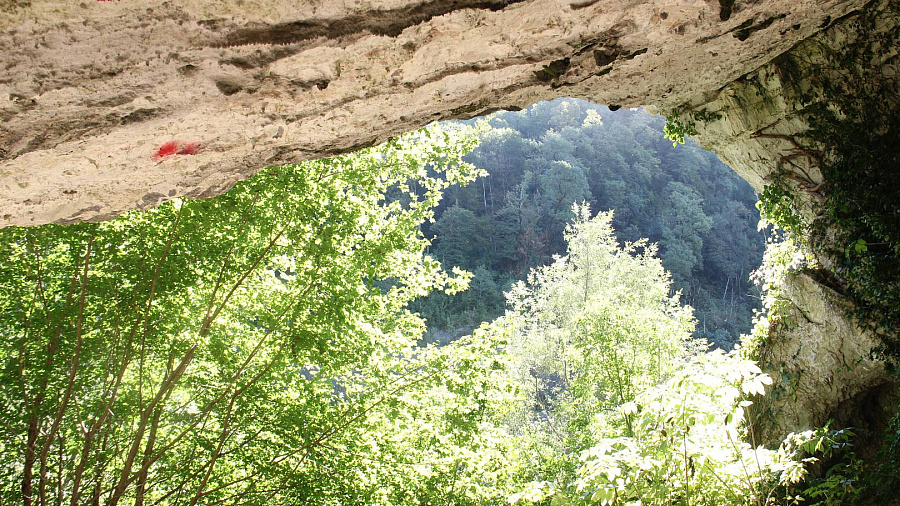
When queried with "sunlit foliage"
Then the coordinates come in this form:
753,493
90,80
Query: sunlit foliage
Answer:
249,349
596,327
260,348
622,406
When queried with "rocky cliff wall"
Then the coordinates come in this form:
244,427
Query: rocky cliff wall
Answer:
93,90
768,125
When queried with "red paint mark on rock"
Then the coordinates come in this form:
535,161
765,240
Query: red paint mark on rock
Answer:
169,148
177,148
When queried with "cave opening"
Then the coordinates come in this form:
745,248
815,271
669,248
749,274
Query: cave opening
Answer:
762,79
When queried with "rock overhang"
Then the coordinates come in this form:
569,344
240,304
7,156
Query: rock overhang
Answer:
95,90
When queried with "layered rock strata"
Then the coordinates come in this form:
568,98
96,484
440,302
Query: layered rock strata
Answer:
93,90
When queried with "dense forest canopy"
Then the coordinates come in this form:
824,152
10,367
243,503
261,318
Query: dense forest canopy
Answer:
543,159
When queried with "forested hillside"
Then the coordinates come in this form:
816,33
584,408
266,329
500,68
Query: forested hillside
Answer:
542,160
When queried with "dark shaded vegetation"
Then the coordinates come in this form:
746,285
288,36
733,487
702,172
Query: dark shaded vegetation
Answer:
553,154
838,191
858,126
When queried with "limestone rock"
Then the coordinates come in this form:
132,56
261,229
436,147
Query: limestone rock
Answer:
92,89
820,358
821,363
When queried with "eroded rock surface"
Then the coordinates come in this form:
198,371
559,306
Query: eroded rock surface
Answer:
92,90
821,365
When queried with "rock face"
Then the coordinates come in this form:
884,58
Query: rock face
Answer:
820,362
113,105
93,90
819,356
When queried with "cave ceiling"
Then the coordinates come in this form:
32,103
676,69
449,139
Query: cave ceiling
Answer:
93,92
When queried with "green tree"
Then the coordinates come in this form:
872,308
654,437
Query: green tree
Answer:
462,239
682,238
505,151
560,185
229,350
594,328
